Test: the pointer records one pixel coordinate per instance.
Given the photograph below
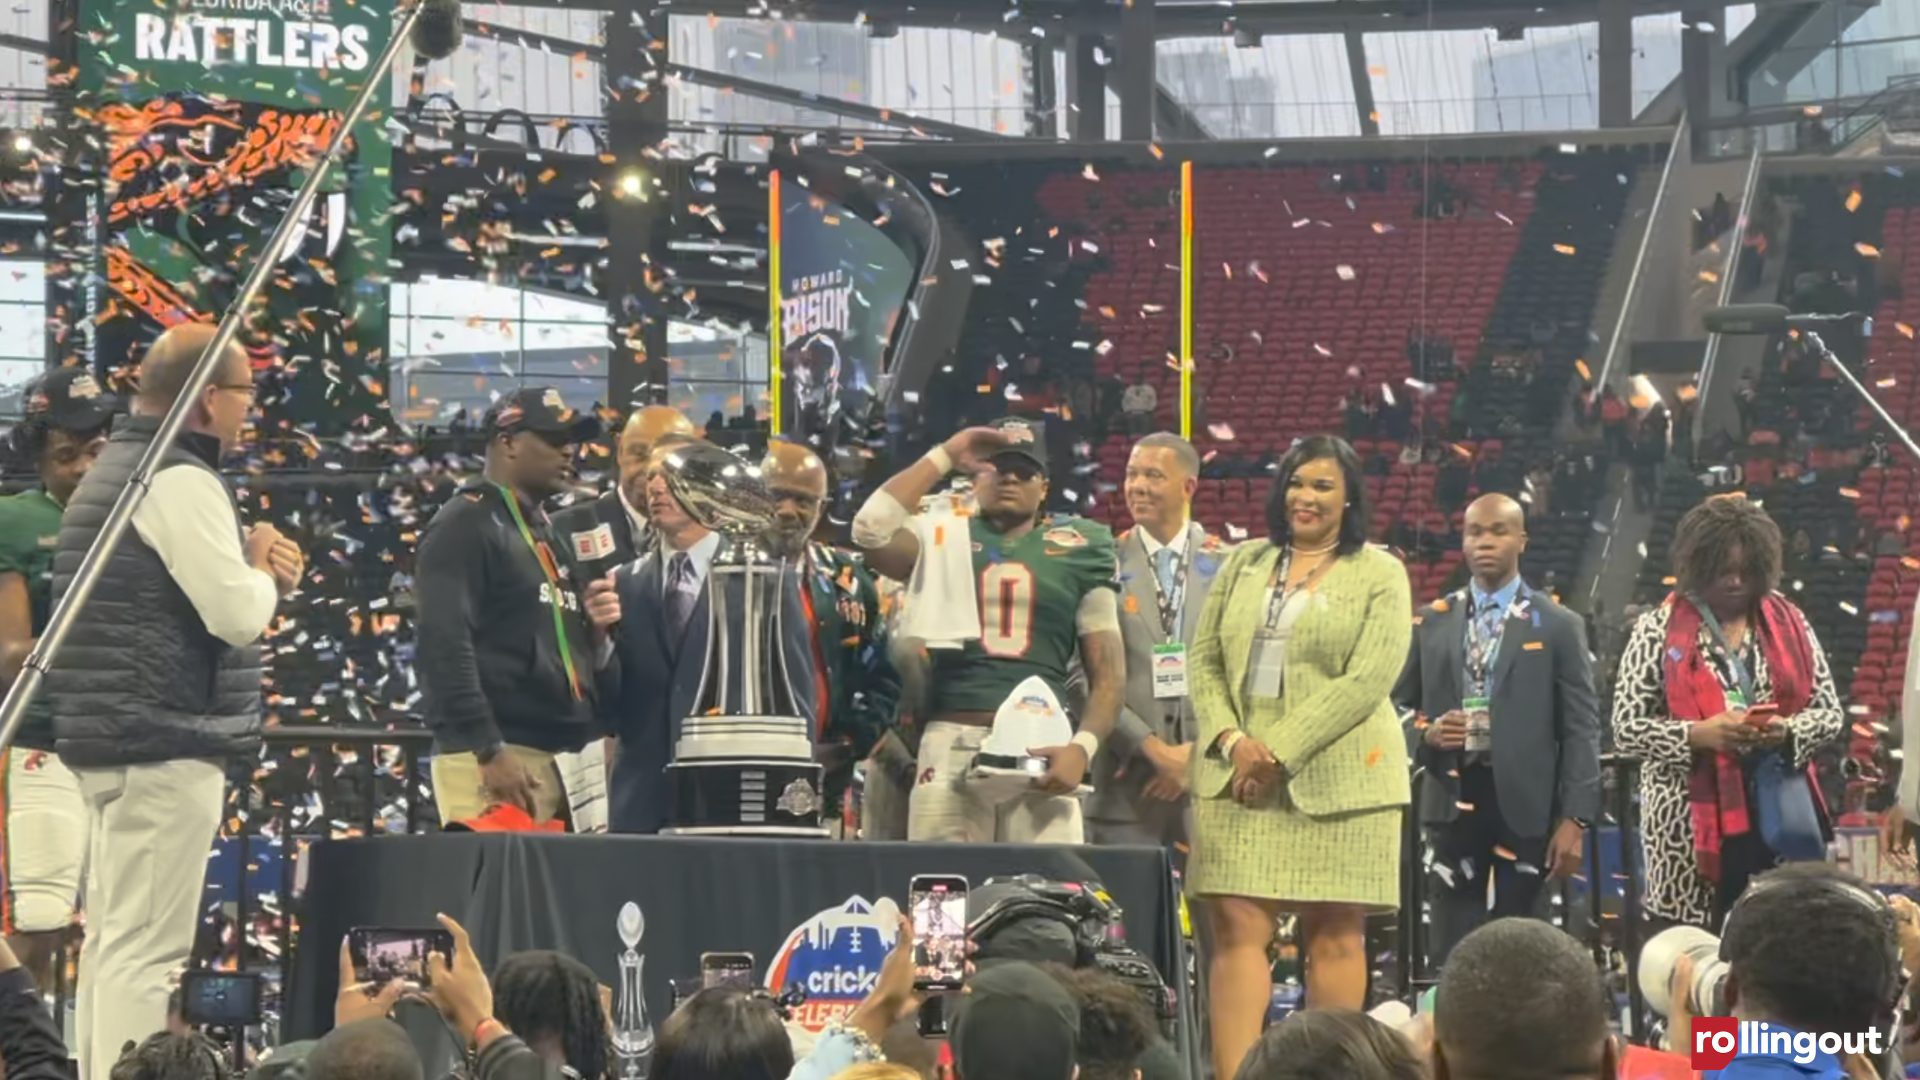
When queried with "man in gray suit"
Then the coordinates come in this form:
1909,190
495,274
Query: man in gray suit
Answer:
1506,730
1167,563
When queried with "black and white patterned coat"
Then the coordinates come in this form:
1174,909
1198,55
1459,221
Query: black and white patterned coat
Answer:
1642,726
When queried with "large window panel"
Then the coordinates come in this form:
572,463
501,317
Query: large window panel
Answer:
1290,87
1461,81
447,360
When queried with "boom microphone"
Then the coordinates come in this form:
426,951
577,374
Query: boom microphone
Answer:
437,33
1773,318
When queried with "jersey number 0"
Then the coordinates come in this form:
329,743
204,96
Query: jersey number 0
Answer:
1006,609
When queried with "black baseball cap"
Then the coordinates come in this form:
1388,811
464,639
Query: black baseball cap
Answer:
1025,438
1015,1020
539,409
69,398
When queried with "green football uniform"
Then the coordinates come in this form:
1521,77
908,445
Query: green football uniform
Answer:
29,529
1030,590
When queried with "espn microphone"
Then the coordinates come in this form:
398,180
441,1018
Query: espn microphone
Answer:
593,552
437,32
1772,319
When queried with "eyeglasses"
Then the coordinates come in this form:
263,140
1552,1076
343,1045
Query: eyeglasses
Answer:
238,388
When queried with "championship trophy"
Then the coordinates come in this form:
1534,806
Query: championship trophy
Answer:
743,762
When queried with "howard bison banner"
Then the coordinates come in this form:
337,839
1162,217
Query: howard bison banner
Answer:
843,284
640,910
208,113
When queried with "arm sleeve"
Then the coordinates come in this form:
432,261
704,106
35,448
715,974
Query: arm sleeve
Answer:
450,572
188,520
1407,698
1214,713
1823,719
1348,699
878,695
1909,785
29,1041
14,541
1641,725
835,1053
1577,712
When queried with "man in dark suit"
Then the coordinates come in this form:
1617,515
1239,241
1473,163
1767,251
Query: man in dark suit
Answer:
856,688
622,510
1506,731
662,646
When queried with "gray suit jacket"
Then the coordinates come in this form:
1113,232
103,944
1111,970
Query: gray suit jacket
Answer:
1546,719
1124,799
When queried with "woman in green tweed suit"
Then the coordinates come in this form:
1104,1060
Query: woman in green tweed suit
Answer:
1301,768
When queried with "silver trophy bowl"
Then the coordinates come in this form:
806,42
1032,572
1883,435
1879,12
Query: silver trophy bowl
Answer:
743,762
720,491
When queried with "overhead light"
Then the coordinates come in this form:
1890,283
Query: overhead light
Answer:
630,185
23,143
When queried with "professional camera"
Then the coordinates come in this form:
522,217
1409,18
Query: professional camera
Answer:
1035,918
1662,952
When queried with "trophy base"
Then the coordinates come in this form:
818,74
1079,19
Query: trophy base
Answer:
746,776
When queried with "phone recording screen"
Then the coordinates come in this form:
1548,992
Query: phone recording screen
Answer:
731,970
383,954
938,907
220,999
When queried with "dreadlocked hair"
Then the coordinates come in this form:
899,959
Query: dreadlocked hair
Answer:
1708,537
539,994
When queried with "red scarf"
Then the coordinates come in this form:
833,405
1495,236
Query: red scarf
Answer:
1716,789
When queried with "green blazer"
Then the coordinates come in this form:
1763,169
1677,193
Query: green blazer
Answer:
1334,726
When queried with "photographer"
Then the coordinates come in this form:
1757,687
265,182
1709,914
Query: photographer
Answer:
508,645
1810,950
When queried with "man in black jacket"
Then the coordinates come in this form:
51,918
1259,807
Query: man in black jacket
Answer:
158,687
622,511
507,652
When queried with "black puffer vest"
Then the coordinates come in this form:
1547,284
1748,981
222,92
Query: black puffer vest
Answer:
139,678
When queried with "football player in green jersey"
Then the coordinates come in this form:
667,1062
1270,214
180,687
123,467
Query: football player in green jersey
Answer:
1044,589
45,824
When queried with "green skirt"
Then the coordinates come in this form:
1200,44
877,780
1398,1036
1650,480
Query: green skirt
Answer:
1278,852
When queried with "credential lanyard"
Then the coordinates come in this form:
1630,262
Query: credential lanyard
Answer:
1735,663
1173,604
553,590
1282,592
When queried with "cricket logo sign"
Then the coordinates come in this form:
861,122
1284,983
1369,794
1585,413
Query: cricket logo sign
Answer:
835,956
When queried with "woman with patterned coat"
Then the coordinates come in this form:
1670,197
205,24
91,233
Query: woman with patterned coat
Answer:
1721,674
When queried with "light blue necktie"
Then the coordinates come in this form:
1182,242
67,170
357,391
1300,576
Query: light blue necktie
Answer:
1163,570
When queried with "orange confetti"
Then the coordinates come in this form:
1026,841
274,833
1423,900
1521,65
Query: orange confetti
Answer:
1154,149
1867,250
1503,853
1375,756
1709,276
1853,200
1581,367
1905,330
1378,71
1849,493
1565,249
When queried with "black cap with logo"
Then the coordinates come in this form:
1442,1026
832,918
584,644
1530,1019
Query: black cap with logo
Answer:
539,409
1025,438
70,399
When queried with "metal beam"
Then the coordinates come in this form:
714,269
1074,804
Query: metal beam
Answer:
1137,82
1362,84
1173,120
1043,121
1197,18
1086,89
1616,63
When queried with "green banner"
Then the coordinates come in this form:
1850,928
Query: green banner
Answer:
209,113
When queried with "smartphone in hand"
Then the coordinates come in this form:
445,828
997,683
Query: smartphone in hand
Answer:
1762,714
937,904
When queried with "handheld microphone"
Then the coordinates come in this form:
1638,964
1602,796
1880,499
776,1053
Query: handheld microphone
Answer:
1773,318
438,32
593,552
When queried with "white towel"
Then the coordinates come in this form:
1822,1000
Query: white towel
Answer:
942,603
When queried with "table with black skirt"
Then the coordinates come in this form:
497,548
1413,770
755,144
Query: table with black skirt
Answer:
781,900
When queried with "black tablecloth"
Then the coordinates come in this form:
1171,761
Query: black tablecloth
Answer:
516,892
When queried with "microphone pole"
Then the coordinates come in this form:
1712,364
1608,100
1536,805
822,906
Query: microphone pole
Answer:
437,38
1826,354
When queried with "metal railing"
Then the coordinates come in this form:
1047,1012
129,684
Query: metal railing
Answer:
1729,275
1628,302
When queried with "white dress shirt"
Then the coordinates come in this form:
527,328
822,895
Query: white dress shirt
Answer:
1153,546
189,521
700,555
